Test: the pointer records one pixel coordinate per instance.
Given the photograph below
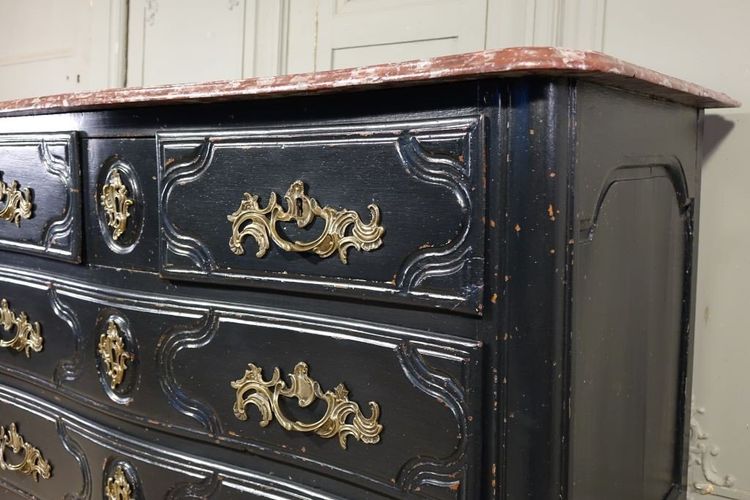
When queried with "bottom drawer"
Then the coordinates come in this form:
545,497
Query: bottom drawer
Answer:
51,453
334,399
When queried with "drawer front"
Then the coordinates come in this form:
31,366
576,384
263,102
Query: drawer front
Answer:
396,411
389,210
40,201
62,455
120,203
34,451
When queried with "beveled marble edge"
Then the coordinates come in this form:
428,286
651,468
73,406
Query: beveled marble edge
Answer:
515,61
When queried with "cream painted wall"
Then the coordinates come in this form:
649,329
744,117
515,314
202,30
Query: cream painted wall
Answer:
49,46
61,46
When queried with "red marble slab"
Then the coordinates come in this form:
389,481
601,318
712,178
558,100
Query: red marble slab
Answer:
509,62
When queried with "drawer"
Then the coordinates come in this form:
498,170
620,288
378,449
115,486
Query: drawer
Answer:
120,203
34,458
390,210
62,455
398,410
40,201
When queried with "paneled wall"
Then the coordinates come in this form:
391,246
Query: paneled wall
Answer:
52,47
177,41
49,46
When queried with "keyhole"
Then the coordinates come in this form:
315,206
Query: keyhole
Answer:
299,207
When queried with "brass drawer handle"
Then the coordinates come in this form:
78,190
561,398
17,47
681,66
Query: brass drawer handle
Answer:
17,202
28,335
113,353
252,389
33,463
261,223
116,203
118,487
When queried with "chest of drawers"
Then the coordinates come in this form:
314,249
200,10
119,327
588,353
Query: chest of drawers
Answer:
470,277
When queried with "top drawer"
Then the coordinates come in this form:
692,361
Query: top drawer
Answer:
387,210
40,195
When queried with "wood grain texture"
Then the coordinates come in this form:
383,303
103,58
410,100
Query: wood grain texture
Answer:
510,62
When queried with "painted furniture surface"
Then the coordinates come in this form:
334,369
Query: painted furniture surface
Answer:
465,277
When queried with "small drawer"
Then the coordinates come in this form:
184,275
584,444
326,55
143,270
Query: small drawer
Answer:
398,409
120,203
40,201
390,210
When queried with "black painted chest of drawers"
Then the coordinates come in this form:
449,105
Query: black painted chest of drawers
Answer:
464,278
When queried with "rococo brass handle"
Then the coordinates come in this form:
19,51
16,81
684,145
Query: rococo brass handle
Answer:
17,203
118,487
32,464
252,389
28,335
250,219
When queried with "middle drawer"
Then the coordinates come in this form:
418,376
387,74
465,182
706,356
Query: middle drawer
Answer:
348,396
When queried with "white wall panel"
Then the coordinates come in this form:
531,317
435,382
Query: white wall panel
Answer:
49,47
177,41
361,32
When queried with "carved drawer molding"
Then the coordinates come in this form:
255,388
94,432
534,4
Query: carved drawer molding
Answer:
40,195
422,180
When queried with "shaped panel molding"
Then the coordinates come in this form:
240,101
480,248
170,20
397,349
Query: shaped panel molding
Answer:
41,195
416,178
411,373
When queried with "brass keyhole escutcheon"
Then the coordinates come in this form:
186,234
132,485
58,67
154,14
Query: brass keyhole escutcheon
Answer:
114,354
118,487
116,203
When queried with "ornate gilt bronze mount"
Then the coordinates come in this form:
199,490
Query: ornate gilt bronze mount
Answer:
32,464
250,219
113,353
118,487
17,203
28,335
252,389
116,203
